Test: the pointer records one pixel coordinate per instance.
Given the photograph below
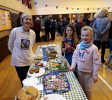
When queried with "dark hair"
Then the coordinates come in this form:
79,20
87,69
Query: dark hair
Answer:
74,35
20,13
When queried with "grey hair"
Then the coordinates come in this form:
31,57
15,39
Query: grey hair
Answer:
23,16
88,28
96,15
79,15
103,13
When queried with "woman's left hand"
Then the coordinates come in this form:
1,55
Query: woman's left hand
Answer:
95,79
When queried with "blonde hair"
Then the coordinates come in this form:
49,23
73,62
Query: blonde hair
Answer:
74,35
85,28
96,15
79,15
103,13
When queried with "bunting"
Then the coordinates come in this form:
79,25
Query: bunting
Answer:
26,2
56,7
87,8
77,8
40,4
66,8
72,8
46,5
93,8
98,8
35,3
62,7
29,4
108,8
23,1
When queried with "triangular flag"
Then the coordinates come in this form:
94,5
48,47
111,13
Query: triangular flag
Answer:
62,7
46,5
77,8
56,7
87,8
93,8
72,8
98,8
40,4
35,3
108,8
66,8
103,8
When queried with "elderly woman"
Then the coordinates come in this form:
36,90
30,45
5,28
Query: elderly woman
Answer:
101,28
79,24
96,15
20,44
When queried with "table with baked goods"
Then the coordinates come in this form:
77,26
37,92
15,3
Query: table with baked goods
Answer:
75,92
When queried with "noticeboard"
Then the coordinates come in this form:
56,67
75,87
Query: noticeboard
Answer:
5,20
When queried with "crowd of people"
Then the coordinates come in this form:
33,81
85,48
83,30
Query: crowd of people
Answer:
80,44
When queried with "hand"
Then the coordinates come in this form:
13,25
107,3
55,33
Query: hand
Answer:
63,50
72,69
95,80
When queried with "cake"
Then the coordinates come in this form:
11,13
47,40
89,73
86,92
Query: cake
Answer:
31,71
32,93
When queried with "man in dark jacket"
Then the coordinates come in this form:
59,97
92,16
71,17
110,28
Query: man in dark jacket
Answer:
66,22
87,21
19,18
78,25
52,29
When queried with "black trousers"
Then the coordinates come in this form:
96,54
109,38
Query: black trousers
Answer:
103,45
37,36
52,34
22,71
47,35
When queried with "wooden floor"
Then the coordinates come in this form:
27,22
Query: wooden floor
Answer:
10,83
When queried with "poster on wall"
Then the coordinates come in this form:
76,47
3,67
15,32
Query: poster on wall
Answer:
5,20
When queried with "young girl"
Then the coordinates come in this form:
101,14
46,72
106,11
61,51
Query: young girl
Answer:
69,42
88,61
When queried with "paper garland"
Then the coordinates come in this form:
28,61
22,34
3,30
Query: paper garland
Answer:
72,8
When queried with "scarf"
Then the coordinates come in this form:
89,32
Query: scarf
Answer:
83,46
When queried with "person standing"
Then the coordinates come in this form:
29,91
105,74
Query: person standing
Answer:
79,24
88,61
52,29
18,20
37,28
101,29
47,28
87,21
20,44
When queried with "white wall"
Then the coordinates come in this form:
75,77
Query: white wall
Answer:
15,5
81,4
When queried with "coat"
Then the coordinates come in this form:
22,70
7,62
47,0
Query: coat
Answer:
78,29
92,22
37,26
101,27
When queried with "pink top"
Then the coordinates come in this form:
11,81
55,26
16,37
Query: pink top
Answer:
87,60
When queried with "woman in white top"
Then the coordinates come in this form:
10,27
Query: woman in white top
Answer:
20,44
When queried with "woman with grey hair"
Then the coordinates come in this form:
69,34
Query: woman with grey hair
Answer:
101,28
96,15
20,44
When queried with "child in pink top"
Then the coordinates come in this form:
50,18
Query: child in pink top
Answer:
88,61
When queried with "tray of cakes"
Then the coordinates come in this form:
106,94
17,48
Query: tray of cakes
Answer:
36,72
59,65
38,56
31,93
55,82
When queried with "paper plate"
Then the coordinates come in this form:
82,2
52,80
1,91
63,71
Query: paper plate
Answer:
41,72
53,97
30,81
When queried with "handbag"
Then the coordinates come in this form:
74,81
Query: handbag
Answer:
109,59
